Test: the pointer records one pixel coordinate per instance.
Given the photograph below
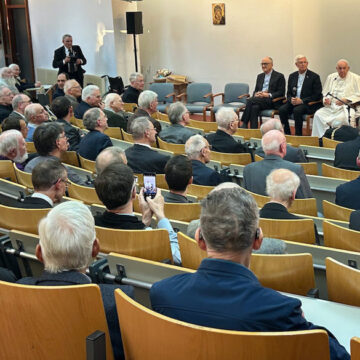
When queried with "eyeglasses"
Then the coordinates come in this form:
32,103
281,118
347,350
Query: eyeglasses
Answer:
66,181
208,147
264,64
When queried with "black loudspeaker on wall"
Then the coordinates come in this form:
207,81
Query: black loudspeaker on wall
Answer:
134,22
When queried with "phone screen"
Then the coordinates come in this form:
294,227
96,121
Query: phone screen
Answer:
150,185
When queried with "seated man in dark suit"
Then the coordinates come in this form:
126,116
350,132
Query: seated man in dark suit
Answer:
293,154
6,97
340,132
62,109
111,154
50,181
274,145
59,87
114,110
141,157
304,87
198,151
116,188
95,140
21,84
19,103
222,141
13,147
147,106
346,154
223,293
90,98
269,85
355,220
178,175
179,117
131,94
67,247
73,90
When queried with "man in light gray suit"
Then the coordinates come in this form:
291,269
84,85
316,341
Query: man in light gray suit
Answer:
274,145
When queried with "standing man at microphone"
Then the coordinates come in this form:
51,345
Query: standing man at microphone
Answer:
69,58
344,85
304,87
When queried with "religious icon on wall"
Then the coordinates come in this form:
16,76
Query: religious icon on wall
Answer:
218,13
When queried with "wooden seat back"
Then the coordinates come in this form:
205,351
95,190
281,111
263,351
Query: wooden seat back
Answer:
191,254
84,193
130,107
23,177
338,237
50,322
337,212
170,338
126,136
78,122
292,273
301,230
247,134
177,149
226,158
146,244
330,143
334,172
204,125
302,140
342,283
200,191
182,212
70,157
310,168
114,132
7,170
87,164
26,220
30,147
355,348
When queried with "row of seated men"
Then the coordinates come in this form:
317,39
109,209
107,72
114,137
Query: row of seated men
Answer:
223,293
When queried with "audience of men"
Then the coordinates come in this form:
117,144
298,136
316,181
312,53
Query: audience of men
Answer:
67,246
304,87
223,293
50,181
114,110
6,97
14,123
50,142
147,106
141,157
346,154
20,84
274,146
7,79
35,115
344,85
69,58
116,188
62,109
95,140
72,90
269,85
227,123
281,186
179,117
131,94
293,154
60,84
178,175
348,194
198,151
13,147
19,103
108,156
90,98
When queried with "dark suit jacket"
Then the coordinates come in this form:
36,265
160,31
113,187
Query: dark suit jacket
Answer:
93,143
170,197
355,220
130,95
346,154
226,295
116,120
72,134
81,109
5,111
23,85
143,159
116,221
203,175
276,84
33,203
140,112
225,143
273,210
255,175
348,194
311,89
342,133
15,115
176,134
293,154
107,292
60,55
58,92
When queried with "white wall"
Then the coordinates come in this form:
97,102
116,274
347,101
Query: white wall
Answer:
90,22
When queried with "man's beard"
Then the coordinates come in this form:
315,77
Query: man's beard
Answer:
20,159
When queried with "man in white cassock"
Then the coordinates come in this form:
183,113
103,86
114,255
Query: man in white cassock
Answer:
345,85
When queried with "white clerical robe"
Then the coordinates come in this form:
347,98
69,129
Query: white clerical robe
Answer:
348,88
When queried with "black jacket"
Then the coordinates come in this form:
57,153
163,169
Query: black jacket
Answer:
130,95
115,221
276,84
225,143
346,154
72,134
60,55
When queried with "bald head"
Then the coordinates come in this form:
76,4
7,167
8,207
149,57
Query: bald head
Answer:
271,124
342,67
274,143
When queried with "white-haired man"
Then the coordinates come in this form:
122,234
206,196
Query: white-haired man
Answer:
13,147
90,98
222,141
274,145
148,101
19,103
35,115
67,246
344,85
198,151
20,84
114,110
72,90
131,94
7,79
6,97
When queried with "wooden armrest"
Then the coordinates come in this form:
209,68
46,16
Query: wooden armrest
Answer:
278,99
207,95
314,102
218,94
181,95
222,96
173,95
243,95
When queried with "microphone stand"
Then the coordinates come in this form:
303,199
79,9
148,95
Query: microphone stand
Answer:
349,105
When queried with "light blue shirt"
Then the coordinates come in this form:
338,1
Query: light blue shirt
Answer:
266,81
300,82
30,134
